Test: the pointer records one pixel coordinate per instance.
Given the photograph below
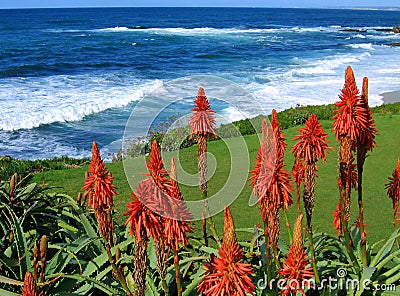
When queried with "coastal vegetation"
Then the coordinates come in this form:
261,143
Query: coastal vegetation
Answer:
66,231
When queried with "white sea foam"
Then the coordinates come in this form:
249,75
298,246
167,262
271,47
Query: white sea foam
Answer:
115,29
319,81
204,30
26,103
362,46
311,67
360,36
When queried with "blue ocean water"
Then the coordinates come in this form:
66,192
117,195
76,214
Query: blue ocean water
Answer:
72,76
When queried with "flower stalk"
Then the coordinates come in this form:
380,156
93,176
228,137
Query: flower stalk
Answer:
365,143
354,128
271,185
100,189
202,124
310,147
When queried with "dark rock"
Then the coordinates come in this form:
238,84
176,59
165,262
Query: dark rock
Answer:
394,44
383,29
354,30
396,29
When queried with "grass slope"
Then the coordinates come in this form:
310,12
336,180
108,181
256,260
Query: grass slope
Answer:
379,165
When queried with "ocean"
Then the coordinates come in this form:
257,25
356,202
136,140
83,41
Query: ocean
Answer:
72,76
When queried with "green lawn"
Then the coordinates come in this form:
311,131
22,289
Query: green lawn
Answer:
379,165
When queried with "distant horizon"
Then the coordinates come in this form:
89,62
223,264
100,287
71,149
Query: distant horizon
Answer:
332,4
180,6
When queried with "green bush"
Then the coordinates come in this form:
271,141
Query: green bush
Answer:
9,165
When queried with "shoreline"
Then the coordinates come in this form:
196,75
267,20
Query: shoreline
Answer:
391,97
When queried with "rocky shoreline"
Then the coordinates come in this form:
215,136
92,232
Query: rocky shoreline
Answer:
396,29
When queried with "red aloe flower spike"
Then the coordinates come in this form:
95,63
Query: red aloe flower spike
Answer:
156,168
226,275
142,220
176,227
202,124
280,143
98,184
30,287
281,175
271,183
346,122
143,223
312,141
350,120
311,146
294,269
393,190
337,219
261,175
202,120
365,142
366,137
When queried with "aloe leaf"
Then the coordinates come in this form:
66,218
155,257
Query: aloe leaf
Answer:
209,250
8,281
187,260
385,249
130,281
91,232
366,275
387,259
98,284
151,286
393,278
59,258
99,277
21,245
100,260
197,278
390,273
7,293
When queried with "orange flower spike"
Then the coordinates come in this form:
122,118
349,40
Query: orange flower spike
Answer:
312,141
177,227
226,275
260,176
143,221
282,186
364,115
202,120
393,189
157,171
98,184
345,118
280,143
30,287
294,269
